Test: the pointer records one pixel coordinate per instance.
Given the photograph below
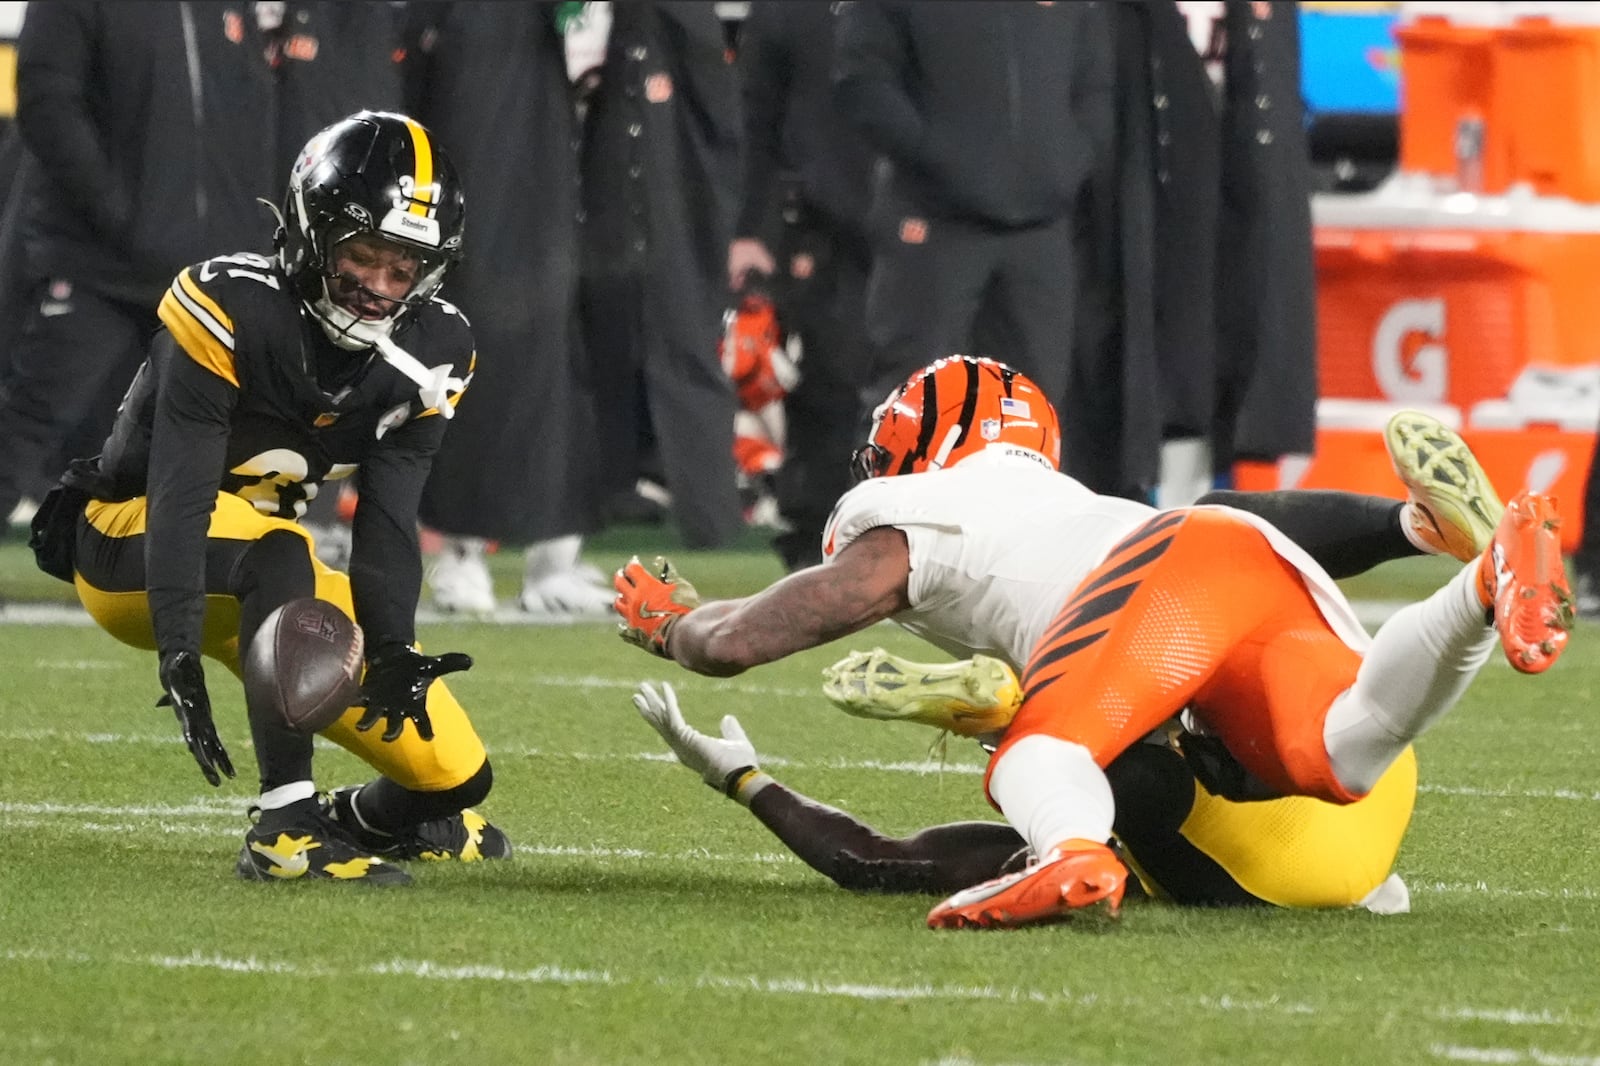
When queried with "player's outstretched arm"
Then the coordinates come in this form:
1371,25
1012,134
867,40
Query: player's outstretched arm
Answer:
855,856
865,584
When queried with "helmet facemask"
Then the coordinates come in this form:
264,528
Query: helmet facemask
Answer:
340,293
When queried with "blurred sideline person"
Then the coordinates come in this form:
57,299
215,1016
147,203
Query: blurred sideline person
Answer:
964,532
659,161
492,80
1187,844
989,118
152,129
801,233
1197,331
273,376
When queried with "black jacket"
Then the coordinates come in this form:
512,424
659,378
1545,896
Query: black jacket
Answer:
490,80
1215,216
157,125
792,130
992,111
661,156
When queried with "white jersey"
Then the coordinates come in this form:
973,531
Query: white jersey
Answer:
998,544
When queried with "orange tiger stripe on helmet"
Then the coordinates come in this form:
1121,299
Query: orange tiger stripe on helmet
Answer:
955,408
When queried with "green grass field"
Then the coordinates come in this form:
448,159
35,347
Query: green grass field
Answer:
644,919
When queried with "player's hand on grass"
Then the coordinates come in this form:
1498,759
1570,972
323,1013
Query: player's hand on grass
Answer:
720,762
650,601
395,688
183,680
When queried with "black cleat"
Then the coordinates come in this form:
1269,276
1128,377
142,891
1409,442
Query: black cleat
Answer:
464,837
308,844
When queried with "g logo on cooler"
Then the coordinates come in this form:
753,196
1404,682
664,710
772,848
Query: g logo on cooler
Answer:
1425,376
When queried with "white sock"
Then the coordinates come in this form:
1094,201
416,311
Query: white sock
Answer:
1420,663
1051,791
554,556
283,795
1186,472
1409,528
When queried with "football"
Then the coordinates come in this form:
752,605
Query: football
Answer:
304,665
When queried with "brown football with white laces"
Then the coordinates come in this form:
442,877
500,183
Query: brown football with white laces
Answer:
304,665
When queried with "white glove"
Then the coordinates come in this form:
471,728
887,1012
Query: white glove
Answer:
719,763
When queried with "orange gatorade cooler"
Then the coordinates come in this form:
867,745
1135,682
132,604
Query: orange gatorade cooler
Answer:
1426,297
1545,104
1447,83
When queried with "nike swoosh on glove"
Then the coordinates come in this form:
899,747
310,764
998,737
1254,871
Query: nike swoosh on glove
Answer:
650,601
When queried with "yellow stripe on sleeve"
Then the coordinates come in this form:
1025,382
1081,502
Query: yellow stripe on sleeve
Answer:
200,327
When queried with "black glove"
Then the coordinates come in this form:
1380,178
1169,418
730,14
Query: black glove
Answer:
184,680
396,688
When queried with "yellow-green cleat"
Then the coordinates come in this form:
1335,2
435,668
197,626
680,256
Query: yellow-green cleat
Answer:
1451,506
971,697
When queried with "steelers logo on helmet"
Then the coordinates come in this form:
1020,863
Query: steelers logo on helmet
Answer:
374,184
956,408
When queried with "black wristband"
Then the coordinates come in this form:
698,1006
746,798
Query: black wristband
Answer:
730,784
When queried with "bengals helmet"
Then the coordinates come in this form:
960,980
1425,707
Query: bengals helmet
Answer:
374,172
955,408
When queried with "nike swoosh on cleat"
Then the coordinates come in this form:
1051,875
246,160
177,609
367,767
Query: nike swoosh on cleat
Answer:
285,866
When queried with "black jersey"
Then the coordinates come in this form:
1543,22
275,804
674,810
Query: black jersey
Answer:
245,394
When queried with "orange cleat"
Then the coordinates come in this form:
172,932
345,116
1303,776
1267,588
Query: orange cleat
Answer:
1523,576
1076,877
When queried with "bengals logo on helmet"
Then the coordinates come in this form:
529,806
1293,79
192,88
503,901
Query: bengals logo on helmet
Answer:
955,408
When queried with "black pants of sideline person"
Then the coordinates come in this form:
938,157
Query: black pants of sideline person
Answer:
75,356
930,277
659,385
824,264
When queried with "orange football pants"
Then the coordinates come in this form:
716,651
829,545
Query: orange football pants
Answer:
1193,609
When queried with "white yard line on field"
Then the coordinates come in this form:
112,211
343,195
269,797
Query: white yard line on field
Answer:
1501,1056
773,985
78,664
1506,1017
1586,795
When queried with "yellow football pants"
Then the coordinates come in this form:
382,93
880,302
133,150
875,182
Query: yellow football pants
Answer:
110,585
1303,852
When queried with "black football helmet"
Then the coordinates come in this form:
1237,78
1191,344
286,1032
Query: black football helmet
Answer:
373,172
